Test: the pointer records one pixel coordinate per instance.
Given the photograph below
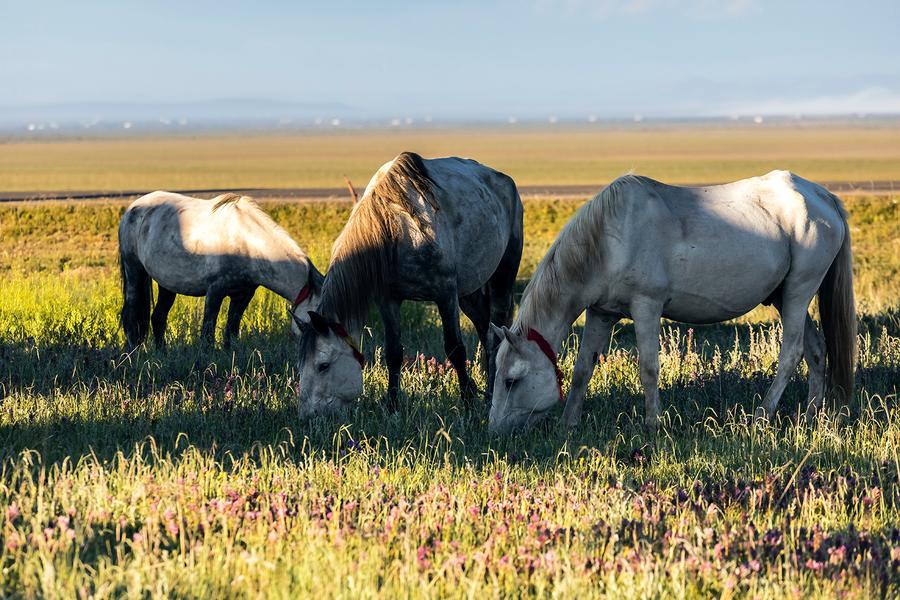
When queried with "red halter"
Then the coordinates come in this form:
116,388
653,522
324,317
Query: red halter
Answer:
303,295
545,347
339,331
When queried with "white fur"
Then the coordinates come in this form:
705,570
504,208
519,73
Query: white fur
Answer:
644,250
212,248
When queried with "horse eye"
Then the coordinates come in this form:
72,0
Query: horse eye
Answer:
324,367
509,383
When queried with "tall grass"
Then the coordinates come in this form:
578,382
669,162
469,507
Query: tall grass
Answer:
186,472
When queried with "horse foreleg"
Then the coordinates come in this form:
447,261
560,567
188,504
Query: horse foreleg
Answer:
454,345
594,340
236,308
210,315
793,319
393,349
164,301
502,288
646,314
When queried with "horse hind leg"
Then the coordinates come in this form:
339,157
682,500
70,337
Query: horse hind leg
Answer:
236,308
165,298
814,354
501,289
793,308
137,296
477,306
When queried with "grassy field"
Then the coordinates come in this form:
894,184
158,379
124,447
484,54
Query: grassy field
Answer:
187,473
532,156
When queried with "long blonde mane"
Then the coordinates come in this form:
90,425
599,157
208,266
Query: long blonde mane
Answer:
363,254
574,252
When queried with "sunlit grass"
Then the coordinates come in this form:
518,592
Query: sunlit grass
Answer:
186,473
532,156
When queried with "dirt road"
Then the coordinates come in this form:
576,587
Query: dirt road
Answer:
290,194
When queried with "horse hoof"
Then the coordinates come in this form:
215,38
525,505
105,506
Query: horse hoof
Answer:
570,421
567,426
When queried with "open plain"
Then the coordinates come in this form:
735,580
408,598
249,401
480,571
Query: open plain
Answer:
187,473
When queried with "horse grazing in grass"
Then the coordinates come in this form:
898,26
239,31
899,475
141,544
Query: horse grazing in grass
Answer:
645,250
447,230
227,246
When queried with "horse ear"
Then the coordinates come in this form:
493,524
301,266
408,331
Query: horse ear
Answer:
318,322
303,327
314,280
514,340
497,332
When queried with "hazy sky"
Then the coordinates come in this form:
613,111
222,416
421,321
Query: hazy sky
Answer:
467,58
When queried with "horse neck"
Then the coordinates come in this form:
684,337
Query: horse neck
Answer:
552,320
288,275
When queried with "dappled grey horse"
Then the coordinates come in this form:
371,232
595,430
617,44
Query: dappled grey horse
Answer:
645,250
227,246
448,230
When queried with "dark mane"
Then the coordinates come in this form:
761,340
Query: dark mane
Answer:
364,256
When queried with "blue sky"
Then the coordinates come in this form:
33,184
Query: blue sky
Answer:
462,59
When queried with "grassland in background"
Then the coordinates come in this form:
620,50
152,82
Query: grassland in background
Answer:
77,239
531,156
187,474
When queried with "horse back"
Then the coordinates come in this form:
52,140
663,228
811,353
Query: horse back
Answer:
715,252
479,215
187,243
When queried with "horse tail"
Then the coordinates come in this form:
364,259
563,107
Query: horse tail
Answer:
137,294
837,309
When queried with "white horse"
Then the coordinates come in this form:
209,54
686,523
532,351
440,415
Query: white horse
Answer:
227,246
645,250
447,230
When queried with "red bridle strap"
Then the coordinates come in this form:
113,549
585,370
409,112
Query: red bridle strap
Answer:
545,347
303,295
339,331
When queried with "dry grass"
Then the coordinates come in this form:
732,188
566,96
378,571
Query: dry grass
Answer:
530,156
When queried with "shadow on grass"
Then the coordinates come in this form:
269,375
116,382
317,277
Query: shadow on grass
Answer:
73,401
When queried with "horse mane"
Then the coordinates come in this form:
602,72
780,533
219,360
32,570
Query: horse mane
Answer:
267,223
364,254
573,253
392,190
228,198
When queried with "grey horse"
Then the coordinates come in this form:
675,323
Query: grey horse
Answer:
448,230
645,250
227,246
